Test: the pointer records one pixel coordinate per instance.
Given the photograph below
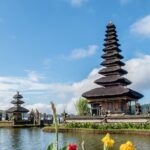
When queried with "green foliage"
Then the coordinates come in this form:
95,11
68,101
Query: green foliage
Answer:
82,107
64,148
106,126
53,147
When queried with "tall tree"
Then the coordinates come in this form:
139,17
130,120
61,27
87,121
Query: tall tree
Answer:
82,107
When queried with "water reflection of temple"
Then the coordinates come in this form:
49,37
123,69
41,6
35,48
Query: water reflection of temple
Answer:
113,96
17,111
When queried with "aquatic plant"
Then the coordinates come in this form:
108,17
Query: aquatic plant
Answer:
108,142
127,146
72,147
54,146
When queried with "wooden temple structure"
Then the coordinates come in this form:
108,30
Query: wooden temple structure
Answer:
113,95
17,111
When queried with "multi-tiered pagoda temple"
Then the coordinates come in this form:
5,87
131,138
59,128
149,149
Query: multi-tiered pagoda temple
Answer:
113,95
17,110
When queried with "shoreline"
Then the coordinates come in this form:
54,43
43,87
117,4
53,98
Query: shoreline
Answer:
98,131
21,126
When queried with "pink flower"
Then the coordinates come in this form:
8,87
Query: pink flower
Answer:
72,147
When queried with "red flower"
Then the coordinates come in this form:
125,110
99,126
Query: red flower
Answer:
72,147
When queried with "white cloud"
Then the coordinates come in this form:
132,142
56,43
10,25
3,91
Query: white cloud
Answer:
83,53
33,76
142,26
38,94
124,2
40,106
77,2
139,72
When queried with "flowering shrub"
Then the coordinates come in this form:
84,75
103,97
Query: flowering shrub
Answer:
108,142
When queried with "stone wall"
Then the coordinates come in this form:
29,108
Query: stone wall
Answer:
6,123
121,119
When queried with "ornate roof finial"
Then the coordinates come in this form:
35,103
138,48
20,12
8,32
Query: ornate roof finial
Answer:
110,22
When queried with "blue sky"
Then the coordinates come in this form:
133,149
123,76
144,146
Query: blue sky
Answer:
57,44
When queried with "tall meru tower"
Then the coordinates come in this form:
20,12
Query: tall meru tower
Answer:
113,94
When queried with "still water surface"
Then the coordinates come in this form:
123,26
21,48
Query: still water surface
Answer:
35,139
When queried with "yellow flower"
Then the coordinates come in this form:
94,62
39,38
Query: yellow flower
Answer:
127,146
108,142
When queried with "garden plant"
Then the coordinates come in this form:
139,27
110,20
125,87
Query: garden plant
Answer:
107,141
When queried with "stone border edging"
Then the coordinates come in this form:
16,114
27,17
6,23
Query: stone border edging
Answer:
97,131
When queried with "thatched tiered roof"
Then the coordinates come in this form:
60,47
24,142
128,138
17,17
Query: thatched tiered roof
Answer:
113,84
17,102
112,91
17,109
112,79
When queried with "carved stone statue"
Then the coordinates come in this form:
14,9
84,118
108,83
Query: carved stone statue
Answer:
137,109
128,108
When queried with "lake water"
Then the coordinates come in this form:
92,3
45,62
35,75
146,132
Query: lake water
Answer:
35,139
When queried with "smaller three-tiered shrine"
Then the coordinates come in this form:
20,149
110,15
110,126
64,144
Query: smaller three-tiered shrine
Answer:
17,111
